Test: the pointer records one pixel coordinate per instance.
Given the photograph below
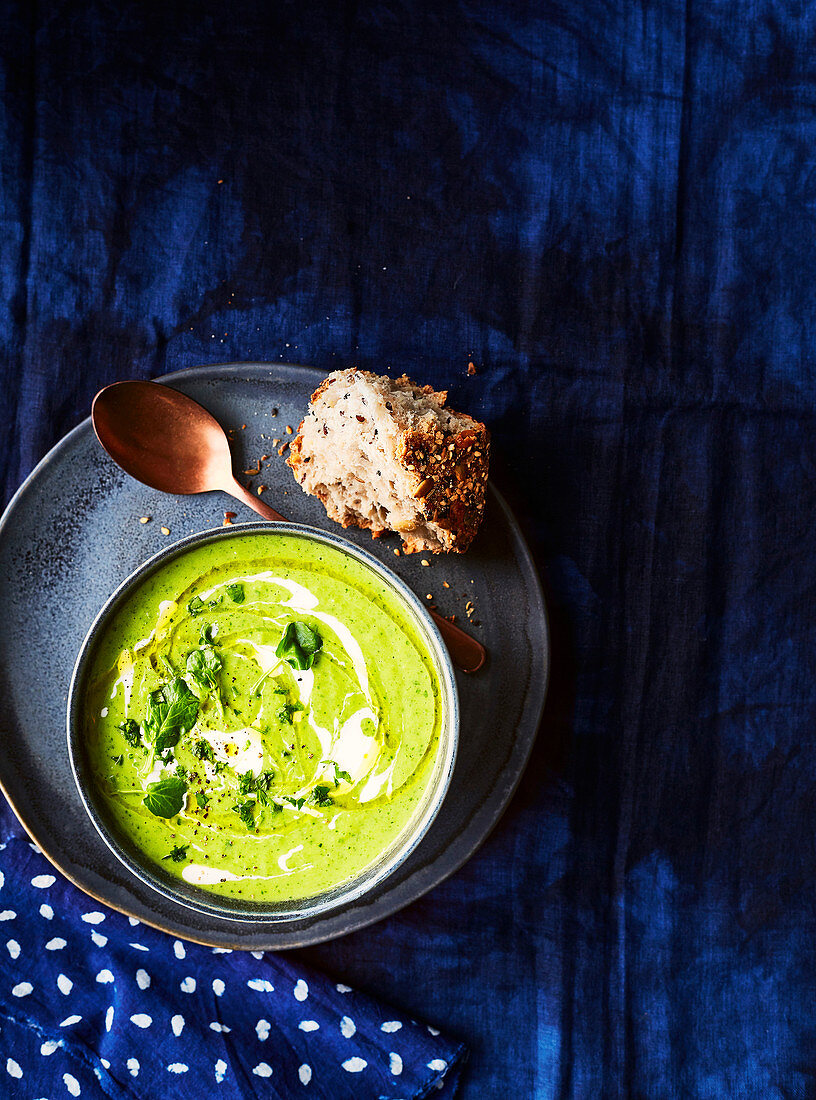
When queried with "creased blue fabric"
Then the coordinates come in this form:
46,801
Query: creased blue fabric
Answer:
610,209
96,1004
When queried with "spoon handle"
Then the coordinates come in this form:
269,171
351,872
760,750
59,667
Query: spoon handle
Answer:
236,489
467,653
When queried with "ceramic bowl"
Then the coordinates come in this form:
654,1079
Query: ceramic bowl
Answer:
125,850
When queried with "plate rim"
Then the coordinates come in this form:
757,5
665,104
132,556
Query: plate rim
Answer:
297,939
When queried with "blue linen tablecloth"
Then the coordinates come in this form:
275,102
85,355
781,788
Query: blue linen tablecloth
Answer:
609,208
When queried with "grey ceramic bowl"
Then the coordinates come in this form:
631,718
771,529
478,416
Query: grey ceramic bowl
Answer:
122,847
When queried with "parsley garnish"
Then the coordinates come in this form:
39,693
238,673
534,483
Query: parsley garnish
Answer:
203,665
166,797
119,760
236,592
245,812
171,711
130,731
321,796
209,632
179,854
296,802
299,645
201,799
195,606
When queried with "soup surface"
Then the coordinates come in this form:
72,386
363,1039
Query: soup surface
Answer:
262,717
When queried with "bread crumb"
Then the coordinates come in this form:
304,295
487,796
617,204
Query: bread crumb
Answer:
261,489
429,597
144,519
397,551
228,518
424,562
289,429
165,530
445,584
253,471
471,369
283,448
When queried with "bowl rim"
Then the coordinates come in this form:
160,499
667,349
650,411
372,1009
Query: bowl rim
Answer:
196,898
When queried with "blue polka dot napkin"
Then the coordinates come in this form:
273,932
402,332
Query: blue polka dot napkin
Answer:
96,1004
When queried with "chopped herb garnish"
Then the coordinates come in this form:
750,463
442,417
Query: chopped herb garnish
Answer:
119,760
296,802
259,785
287,711
299,645
338,772
201,799
321,796
203,665
209,632
166,797
245,812
179,854
171,711
130,731
236,592
195,606
203,750
182,772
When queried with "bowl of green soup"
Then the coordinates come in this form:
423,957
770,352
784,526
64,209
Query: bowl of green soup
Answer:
262,722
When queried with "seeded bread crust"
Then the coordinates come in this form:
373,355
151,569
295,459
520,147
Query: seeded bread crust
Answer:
441,459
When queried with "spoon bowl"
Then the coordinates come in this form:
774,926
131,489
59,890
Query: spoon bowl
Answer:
166,440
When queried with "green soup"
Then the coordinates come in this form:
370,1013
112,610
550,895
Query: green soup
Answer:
262,717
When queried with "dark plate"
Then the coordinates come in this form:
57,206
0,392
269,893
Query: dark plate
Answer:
71,534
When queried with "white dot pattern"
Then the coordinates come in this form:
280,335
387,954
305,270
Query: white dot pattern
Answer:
89,986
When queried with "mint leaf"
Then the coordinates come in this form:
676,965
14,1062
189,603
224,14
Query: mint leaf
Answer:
130,731
171,711
195,606
201,800
209,632
299,645
236,592
203,750
179,854
166,797
338,772
203,665
297,803
321,796
245,812
259,785
287,711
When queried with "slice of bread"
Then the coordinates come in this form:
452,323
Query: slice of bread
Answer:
388,455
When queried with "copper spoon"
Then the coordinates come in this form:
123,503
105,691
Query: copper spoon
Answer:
168,441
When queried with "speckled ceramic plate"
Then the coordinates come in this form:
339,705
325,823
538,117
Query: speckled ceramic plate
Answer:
72,533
